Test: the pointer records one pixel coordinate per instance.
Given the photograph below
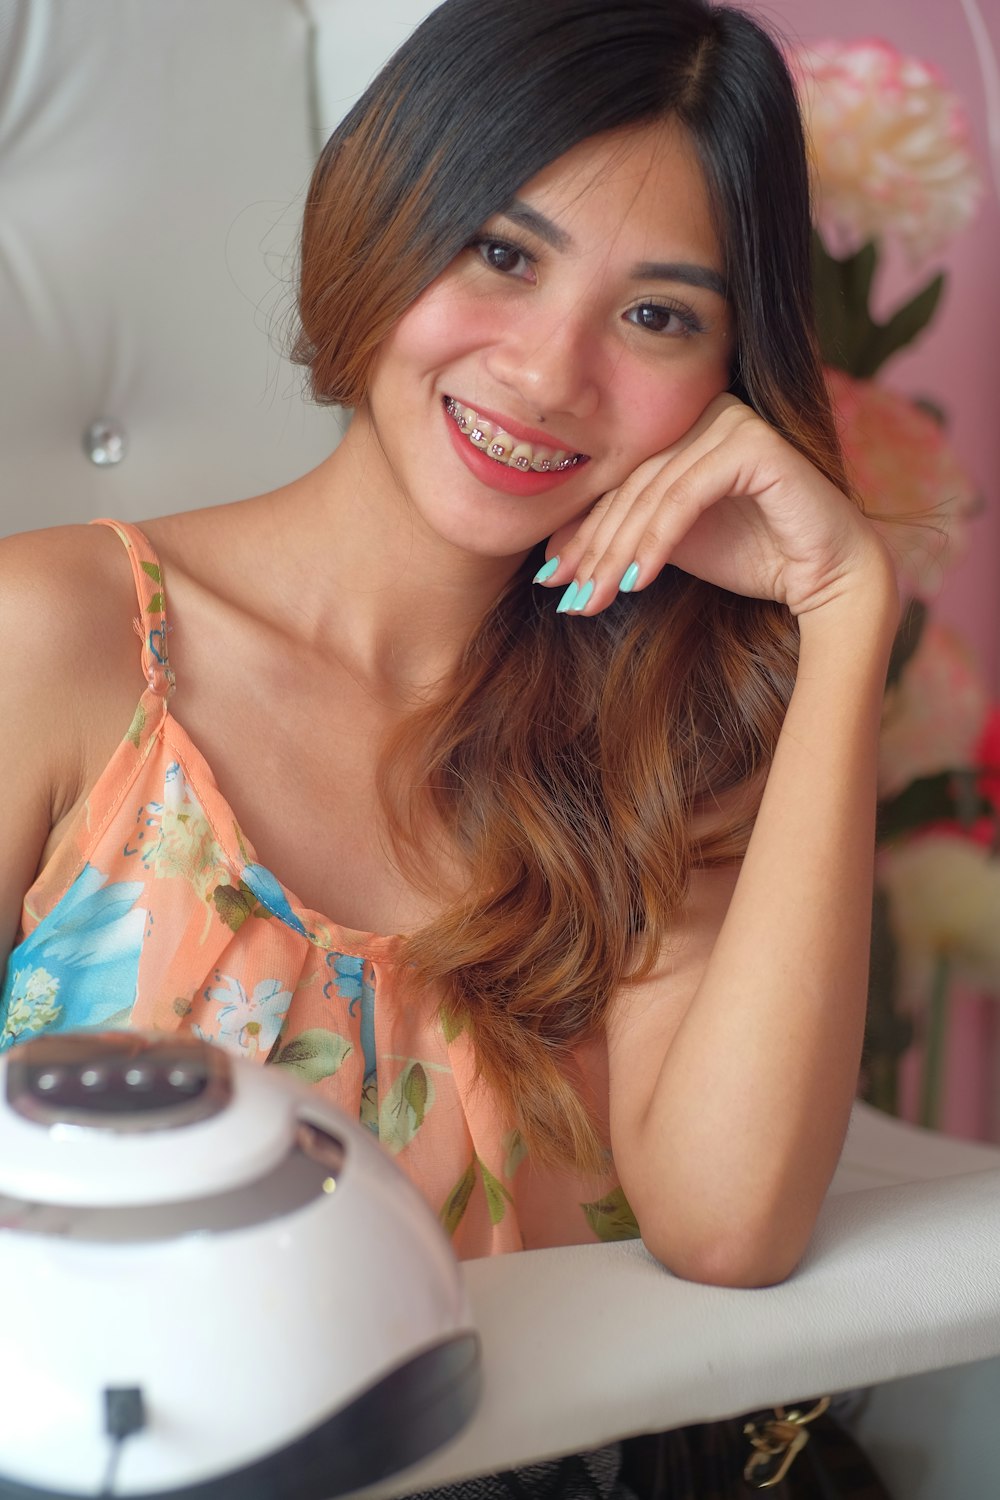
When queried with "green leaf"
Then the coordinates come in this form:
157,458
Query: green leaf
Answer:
405,1107
137,725
950,795
906,323
234,904
841,289
152,571
155,605
911,628
314,1055
932,408
497,1196
457,1201
611,1218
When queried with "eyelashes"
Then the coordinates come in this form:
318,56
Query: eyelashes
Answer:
655,318
500,254
510,258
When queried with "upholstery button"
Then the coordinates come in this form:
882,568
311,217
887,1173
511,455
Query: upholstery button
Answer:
104,442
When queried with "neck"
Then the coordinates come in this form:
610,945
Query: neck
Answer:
398,601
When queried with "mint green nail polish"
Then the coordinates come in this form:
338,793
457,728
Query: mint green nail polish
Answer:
568,599
583,596
546,571
628,582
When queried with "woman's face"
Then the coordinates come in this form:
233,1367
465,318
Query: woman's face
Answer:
583,330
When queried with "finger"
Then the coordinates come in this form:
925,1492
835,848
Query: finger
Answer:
652,528
569,543
609,551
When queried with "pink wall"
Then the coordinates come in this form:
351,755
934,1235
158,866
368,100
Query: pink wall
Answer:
957,362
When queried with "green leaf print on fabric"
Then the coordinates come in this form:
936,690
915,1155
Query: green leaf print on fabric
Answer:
234,903
497,1196
611,1218
405,1107
137,725
314,1055
514,1152
152,571
457,1200
451,1026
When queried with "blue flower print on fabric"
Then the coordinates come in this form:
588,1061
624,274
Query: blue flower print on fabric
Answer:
158,644
269,893
352,982
79,968
348,971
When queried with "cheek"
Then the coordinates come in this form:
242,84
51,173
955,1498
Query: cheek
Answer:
657,413
441,325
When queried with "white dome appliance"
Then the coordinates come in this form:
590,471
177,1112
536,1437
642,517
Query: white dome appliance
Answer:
215,1286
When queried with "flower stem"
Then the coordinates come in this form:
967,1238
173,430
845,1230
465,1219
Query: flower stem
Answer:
934,1044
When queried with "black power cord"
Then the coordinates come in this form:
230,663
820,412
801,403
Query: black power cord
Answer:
124,1415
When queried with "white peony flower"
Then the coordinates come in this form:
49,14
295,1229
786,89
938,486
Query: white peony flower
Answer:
888,145
944,901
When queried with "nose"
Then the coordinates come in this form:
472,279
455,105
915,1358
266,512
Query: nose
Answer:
549,359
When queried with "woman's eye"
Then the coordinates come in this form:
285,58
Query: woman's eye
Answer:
501,256
657,318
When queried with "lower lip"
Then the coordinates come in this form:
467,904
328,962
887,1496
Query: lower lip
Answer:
525,482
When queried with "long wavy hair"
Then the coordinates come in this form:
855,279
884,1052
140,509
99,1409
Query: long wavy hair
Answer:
581,772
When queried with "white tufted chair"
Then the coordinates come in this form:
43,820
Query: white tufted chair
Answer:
152,153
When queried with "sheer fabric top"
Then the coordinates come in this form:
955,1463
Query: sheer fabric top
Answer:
155,913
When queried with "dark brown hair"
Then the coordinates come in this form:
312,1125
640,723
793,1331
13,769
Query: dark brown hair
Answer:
580,772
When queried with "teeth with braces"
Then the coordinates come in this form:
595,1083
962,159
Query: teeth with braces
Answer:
505,449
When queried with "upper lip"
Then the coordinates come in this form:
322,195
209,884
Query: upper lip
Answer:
518,429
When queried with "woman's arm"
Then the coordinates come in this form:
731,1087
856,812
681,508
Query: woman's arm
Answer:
733,1071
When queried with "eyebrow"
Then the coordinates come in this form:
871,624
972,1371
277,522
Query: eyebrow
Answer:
681,270
647,270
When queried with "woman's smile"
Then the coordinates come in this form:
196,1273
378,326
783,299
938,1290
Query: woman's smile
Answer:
504,459
584,329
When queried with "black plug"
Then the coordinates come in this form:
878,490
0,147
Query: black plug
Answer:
124,1415
124,1411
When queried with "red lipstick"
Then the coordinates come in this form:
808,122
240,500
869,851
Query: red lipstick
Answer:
500,476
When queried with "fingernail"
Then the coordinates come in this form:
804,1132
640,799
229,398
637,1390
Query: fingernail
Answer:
546,571
583,596
629,580
568,599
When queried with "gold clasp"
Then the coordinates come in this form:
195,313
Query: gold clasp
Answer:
777,1442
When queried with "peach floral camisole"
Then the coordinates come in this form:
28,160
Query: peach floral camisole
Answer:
155,913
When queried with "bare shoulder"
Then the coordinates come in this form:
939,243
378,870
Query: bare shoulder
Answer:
70,673
69,666
64,595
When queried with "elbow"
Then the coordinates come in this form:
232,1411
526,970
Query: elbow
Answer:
726,1258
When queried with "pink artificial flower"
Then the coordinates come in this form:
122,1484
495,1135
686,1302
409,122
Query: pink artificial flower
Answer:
907,475
888,145
934,714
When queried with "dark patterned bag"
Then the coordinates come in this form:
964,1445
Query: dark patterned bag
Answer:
794,1453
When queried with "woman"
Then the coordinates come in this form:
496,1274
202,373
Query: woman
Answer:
556,260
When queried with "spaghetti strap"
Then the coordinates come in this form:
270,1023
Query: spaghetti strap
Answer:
151,621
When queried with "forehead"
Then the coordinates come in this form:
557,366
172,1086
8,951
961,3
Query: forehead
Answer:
644,185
